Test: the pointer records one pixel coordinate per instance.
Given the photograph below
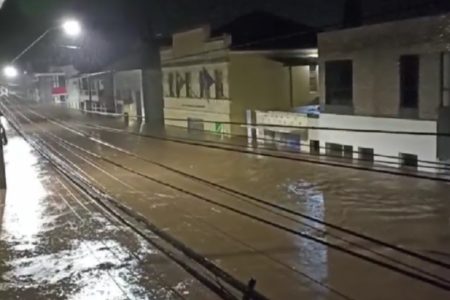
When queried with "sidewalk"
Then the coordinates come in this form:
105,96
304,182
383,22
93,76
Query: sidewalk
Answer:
56,244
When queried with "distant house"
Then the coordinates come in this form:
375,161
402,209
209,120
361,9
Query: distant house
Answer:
257,62
392,76
116,89
128,84
52,86
96,92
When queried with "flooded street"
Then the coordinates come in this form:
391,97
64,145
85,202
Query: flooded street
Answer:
276,220
55,244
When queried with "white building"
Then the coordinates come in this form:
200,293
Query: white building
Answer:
392,76
52,86
213,78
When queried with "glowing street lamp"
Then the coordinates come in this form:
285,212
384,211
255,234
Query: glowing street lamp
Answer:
72,28
10,72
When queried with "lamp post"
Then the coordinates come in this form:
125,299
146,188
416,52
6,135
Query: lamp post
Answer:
70,27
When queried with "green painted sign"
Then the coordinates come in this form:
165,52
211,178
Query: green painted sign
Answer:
219,127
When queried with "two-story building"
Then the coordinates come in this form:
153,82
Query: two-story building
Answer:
391,77
212,78
118,88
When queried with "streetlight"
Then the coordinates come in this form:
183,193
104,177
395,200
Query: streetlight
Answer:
10,72
72,28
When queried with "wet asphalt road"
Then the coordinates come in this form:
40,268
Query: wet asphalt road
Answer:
412,213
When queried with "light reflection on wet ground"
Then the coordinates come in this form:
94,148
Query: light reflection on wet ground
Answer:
404,211
55,245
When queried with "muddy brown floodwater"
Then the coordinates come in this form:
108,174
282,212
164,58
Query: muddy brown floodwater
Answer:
404,211
56,245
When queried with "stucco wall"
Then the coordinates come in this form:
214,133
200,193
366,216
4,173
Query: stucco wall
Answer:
130,80
256,83
300,85
375,51
425,147
73,89
178,110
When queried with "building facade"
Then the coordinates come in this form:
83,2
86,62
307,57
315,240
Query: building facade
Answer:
97,92
392,76
128,93
52,86
209,82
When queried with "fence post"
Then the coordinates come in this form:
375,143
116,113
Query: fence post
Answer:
126,118
250,289
2,169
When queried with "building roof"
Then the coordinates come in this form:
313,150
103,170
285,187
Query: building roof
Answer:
264,31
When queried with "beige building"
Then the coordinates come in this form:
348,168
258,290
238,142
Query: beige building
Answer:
391,76
210,79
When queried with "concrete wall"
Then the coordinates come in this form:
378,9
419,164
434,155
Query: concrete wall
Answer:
256,83
425,147
375,51
302,95
280,118
45,85
130,81
190,42
73,89
210,111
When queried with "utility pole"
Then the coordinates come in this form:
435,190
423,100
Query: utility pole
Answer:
151,73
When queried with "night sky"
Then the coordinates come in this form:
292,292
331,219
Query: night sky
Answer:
22,20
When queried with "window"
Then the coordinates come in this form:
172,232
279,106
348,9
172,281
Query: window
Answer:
101,85
409,81
61,81
314,147
170,84
218,75
180,82
188,82
408,160
339,82
333,149
84,84
366,155
205,83
348,151
313,84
